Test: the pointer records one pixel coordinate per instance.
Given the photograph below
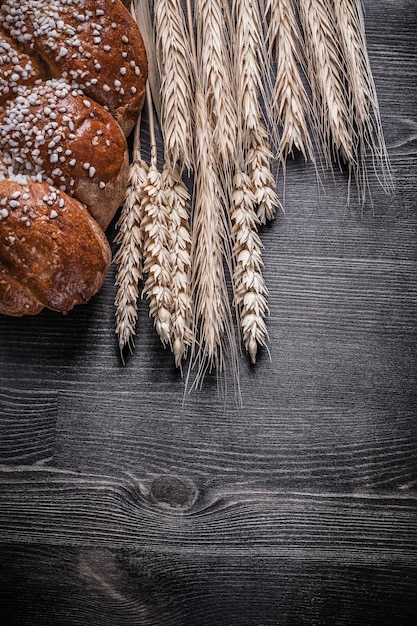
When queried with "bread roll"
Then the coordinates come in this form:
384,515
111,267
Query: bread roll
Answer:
52,254
94,44
51,131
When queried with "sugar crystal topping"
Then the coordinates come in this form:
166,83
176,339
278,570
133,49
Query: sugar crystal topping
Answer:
24,130
15,68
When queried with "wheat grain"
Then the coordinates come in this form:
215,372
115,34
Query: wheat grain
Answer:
327,79
175,67
257,163
291,108
249,285
178,204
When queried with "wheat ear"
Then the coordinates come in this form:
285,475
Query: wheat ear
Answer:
291,108
129,256
363,96
211,307
178,203
175,67
248,54
249,286
212,318
327,79
177,104
216,77
156,247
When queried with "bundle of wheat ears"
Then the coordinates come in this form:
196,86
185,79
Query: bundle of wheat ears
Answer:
237,87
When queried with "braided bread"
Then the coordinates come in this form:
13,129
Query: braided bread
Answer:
72,84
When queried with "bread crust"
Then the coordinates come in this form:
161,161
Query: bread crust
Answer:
16,299
50,246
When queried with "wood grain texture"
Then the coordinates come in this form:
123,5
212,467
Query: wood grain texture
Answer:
124,497
27,427
304,442
77,509
136,587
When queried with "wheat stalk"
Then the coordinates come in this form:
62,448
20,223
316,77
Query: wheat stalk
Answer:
141,14
249,53
177,103
211,308
216,77
327,79
156,246
178,200
249,285
210,245
257,186
157,260
363,96
291,108
175,66
129,256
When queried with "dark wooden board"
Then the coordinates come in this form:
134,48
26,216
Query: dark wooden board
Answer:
155,589
124,499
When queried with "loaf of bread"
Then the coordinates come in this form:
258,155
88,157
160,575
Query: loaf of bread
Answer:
72,84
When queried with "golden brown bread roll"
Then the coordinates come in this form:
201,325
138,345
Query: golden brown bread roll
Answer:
72,84
55,132
94,44
52,251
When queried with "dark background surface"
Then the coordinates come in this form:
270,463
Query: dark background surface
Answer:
122,502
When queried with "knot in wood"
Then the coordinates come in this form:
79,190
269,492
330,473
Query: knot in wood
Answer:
173,491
